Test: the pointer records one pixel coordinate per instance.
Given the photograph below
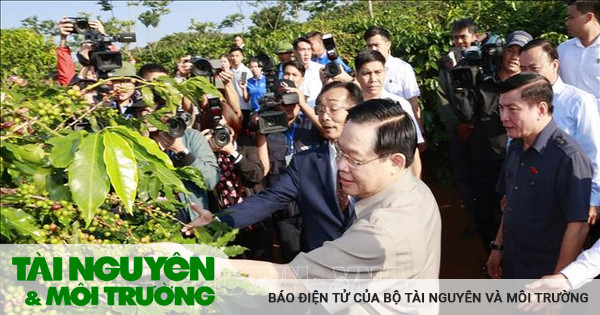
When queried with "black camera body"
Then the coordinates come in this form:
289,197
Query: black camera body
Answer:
203,67
178,124
101,57
220,134
271,119
331,69
478,63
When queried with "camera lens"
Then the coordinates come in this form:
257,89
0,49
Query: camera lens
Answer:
332,69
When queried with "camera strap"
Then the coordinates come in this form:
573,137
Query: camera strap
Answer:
290,138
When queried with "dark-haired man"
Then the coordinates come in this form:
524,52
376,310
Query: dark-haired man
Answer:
240,73
477,106
580,56
312,81
575,110
400,77
238,41
326,213
319,52
370,75
546,184
149,72
464,34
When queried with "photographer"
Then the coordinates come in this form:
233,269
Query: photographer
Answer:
320,54
190,149
477,106
464,34
242,175
65,66
185,69
294,71
276,151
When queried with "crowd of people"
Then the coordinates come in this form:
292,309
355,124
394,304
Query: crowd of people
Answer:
340,188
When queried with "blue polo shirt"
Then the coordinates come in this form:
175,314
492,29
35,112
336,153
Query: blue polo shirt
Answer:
256,89
324,60
546,187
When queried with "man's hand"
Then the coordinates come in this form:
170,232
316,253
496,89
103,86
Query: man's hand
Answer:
342,77
95,24
227,149
593,214
65,27
493,264
204,218
226,76
184,66
548,284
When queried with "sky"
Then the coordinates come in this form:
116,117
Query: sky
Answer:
12,12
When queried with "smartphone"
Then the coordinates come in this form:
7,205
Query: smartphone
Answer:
244,76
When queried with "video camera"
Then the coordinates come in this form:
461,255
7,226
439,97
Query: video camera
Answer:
268,68
101,57
331,69
478,63
271,119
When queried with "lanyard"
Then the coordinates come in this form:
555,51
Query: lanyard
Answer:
290,138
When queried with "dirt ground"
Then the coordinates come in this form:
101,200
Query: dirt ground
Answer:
462,258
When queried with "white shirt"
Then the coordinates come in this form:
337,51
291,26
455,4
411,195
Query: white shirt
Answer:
575,112
400,78
580,66
585,268
312,83
237,77
407,108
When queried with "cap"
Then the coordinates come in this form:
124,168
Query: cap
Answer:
284,47
126,70
519,80
518,38
280,87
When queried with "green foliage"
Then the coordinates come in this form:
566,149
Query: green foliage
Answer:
26,53
47,28
101,185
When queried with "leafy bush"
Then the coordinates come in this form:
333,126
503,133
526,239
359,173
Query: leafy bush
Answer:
106,184
26,53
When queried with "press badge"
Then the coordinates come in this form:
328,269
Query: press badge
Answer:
288,159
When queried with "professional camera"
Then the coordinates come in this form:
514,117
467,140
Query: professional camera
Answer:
221,134
478,63
101,57
331,69
203,67
270,118
179,123
268,68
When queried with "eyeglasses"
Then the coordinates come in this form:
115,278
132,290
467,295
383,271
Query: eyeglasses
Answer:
354,164
320,110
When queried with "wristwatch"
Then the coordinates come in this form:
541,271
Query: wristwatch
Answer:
494,246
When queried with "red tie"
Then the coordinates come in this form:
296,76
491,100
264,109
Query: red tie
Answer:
342,198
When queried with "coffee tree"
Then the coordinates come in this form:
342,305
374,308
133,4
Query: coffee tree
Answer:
77,173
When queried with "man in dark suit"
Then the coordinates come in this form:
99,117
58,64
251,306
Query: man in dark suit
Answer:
310,180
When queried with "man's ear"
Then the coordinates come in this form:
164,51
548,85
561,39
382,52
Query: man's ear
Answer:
398,160
544,108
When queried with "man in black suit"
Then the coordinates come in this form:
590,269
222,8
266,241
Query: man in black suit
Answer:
310,180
